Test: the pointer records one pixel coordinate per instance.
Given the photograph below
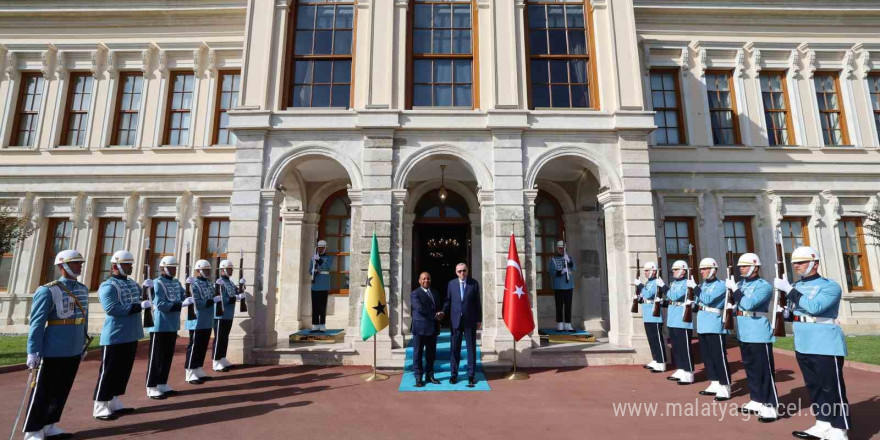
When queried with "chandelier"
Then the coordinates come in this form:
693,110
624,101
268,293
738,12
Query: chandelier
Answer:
440,247
442,192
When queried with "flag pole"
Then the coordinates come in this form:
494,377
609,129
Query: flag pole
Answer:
374,376
515,375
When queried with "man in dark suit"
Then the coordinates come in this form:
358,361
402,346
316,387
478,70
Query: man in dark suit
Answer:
426,309
465,310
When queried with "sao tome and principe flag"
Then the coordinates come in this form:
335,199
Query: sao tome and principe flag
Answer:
375,315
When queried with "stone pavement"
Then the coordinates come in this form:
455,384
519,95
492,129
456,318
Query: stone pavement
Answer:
283,402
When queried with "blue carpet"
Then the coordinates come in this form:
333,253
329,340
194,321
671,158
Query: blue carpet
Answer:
553,331
328,332
442,370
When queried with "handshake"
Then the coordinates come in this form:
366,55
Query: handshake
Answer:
439,316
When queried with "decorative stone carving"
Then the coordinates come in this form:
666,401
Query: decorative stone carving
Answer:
811,63
849,64
12,65
756,61
700,216
794,62
77,208
815,211
163,63
36,212
762,217
61,65
775,208
195,211
212,62
146,59
112,70
26,205
129,209
833,207
865,64
95,57
685,60
142,212
197,61
181,204
872,206
740,64
46,62
719,204
91,210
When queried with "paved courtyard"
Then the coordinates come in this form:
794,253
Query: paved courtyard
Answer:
269,402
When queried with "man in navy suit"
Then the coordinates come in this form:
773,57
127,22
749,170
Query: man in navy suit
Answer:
426,309
465,310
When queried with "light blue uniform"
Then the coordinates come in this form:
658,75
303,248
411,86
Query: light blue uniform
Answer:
756,297
203,294
648,292
322,279
711,294
820,298
167,301
674,314
121,298
227,292
52,303
555,266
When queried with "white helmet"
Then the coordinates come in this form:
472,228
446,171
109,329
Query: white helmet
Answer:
203,265
69,256
122,257
560,244
804,254
226,264
680,265
322,243
749,259
709,263
168,261
650,266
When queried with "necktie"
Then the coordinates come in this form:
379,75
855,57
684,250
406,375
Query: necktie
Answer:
461,289
429,294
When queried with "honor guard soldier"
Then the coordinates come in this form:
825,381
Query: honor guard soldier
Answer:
679,331
56,341
123,327
168,301
752,296
200,328
653,324
223,324
560,267
819,344
710,295
320,272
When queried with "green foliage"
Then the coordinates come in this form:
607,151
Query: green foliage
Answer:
861,348
13,349
13,229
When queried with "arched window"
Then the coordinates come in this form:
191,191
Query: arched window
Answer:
548,230
430,209
335,229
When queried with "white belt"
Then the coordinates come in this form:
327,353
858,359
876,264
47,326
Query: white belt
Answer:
814,319
649,301
752,314
678,303
710,310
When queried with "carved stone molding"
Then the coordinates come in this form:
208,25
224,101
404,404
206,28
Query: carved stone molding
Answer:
815,211
61,65
775,208
685,60
146,59
740,64
833,207
129,209
849,64
46,62
700,209
95,58
794,62
865,64
77,208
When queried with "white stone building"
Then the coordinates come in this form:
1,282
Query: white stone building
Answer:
255,126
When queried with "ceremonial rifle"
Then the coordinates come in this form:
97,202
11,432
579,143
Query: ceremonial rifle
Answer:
635,306
190,309
146,295
315,260
564,256
727,316
218,306
688,314
243,306
779,300
658,298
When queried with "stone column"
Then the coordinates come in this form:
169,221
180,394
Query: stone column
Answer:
398,238
262,307
584,245
292,272
531,269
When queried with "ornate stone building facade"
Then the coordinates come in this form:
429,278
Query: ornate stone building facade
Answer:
257,126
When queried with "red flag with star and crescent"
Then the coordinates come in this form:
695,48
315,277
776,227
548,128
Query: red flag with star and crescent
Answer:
516,309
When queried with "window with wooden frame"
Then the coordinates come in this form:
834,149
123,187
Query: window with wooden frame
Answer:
560,49
128,108
227,99
855,257
178,113
215,240
874,89
76,113
163,242
548,230
831,114
58,238
321,64
777,115
722,108
335,229
678,235
794,235
442,62
5,270
666,101
738,238
30,97
110,240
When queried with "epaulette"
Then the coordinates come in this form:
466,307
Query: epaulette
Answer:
52,283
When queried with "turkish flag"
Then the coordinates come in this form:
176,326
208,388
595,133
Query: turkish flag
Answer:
516,309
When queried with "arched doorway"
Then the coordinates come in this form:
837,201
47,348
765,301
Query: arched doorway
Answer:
335,229
441,238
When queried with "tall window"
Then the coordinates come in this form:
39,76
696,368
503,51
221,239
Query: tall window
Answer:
5,270
722,108
163,241
322,44
336,231
776,112
58,239
738,238
665,97
128,107
180,100
215,241
559,54
678,234
855,261
874,87
227,98
794,235
548,230
76,116
30,97
830,111
442,51
110,241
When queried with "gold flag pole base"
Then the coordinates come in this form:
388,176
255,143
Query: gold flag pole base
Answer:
516,375
374,376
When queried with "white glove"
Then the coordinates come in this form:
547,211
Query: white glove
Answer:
33,360
316,257
219,281
240,297
636,282
190,280
660,282
786,313
688,302
188,301
565,270
146,304
148,283
691,283
730,283
782,284
217,299
242,281
567,258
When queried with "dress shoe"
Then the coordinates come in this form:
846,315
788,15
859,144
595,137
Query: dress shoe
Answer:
453,380
159,397
432,380
109,418
804,435
672,378
471,382
195,382
706,393
419,383
767,419
745,410
222,370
